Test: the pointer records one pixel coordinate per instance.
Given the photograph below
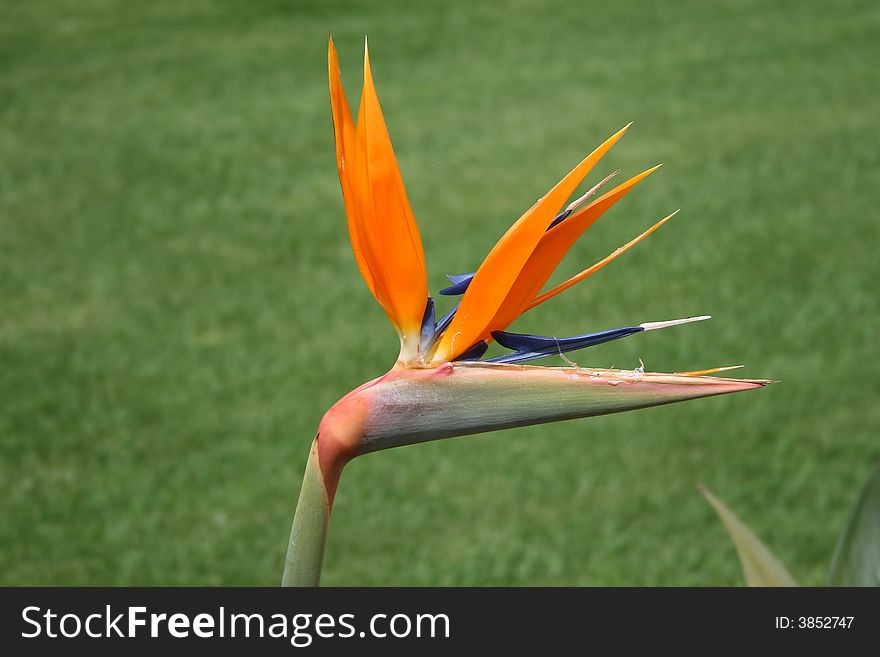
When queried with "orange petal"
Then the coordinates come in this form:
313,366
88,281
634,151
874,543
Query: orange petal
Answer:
713,370
592,270
367,223
501,268
344,134
394,239
550,251
383,232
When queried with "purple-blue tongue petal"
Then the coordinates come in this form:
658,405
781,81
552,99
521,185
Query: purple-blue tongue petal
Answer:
459,282
445,320
475,352
426,338
562,216
529,347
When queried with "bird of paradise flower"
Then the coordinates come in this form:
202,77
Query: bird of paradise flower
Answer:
439,387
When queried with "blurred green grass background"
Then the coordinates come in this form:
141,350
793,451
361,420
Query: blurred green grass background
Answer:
180,303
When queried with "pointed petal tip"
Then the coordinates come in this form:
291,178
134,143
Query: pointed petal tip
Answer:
332,57
713,370
737,385
622,131
653,326
705,375
757,383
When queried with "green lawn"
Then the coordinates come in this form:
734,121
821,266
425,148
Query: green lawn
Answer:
180,303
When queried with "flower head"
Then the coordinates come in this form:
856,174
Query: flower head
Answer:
509,282
439,387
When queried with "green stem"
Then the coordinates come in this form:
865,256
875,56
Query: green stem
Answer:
305,551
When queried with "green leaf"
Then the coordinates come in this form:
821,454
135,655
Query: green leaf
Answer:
760,566
856,560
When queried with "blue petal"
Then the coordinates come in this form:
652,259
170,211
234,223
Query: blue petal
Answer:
474,352
426,339
459,282
459,278
529,347
444,322
562,216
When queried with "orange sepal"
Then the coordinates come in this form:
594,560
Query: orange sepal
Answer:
393,234
501,268
550,250
346,144
713,370
577,278
383,232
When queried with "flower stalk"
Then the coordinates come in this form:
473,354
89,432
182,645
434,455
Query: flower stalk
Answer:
308,536
409,406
